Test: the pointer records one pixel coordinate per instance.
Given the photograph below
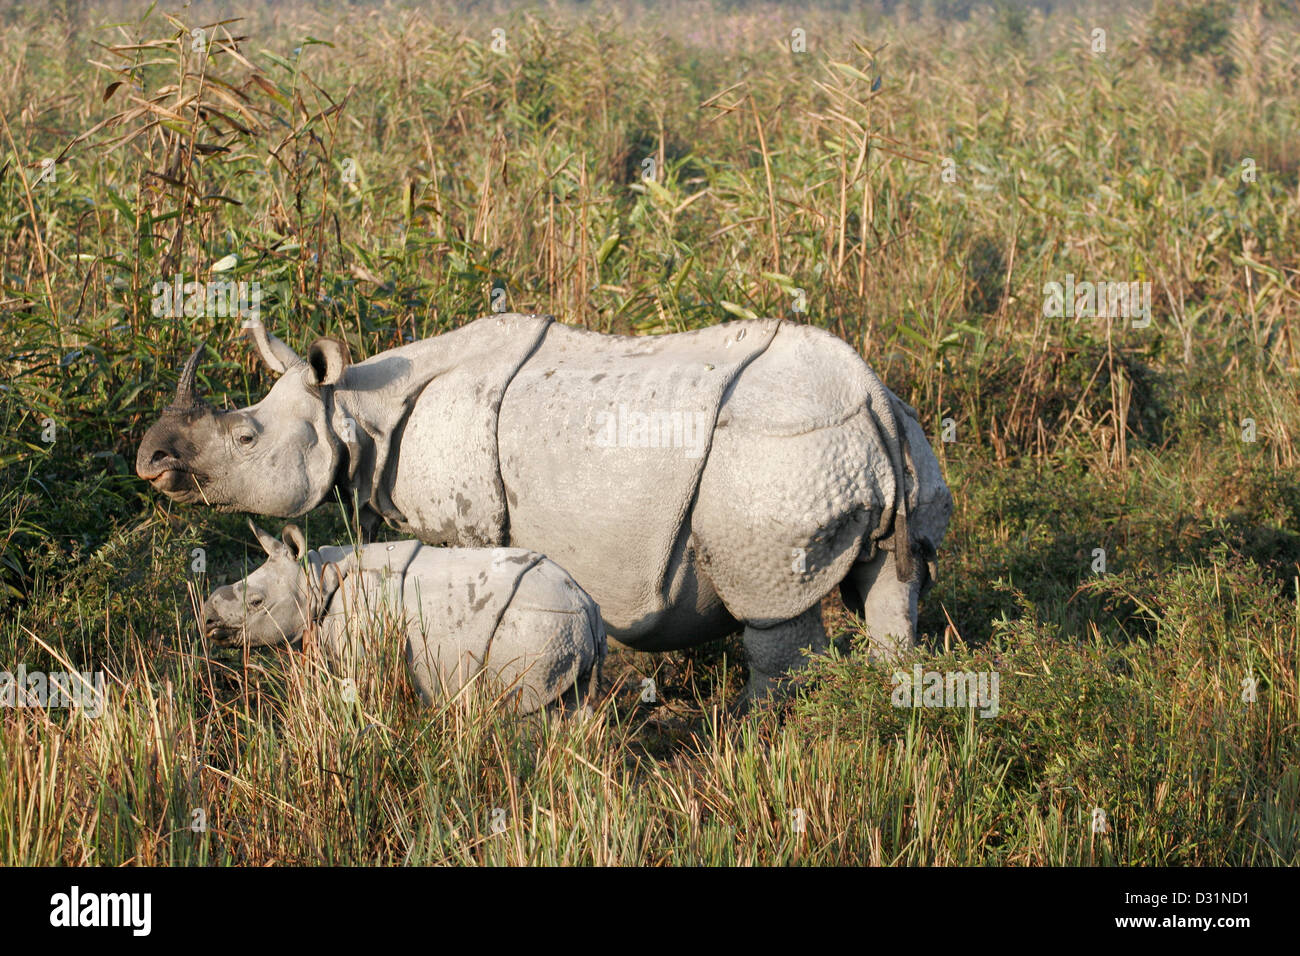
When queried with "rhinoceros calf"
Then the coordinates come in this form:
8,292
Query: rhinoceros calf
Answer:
693,484
505,611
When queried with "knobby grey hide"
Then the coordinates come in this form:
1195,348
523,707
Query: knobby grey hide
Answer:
692,483
509,617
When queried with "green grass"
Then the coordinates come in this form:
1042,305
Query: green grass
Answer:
774,172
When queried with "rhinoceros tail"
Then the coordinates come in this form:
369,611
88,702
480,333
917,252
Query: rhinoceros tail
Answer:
908,489
886,407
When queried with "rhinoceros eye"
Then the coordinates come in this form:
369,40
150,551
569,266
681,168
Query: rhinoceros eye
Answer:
246,437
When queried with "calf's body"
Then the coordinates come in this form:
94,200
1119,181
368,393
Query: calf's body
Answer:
507,617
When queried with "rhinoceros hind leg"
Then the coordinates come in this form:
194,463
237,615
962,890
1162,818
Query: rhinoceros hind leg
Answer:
370,522
887,605
582,699
775,652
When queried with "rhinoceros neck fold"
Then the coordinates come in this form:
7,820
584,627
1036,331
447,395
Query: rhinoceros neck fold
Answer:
425,422
356,466
368,410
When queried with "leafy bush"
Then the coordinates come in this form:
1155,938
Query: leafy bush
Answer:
1180,30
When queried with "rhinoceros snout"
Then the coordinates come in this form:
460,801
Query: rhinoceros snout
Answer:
155,459
226,609
211,621
161,458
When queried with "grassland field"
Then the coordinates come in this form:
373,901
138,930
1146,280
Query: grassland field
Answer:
1125,549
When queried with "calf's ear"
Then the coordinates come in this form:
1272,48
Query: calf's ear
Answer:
293,537
328,358
270,545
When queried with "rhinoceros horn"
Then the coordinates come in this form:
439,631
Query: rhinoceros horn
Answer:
186,396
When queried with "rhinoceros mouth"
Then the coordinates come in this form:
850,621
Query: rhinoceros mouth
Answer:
158,476
224,635
175,481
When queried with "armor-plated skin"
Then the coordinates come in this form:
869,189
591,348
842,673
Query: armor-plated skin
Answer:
506,617
692,483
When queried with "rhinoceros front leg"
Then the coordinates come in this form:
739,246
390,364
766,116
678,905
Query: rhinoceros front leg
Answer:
775,652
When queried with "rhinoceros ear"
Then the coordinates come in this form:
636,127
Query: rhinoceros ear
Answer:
328,358
292,536
279,358
270,544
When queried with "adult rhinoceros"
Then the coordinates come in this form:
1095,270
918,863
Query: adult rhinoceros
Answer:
691,483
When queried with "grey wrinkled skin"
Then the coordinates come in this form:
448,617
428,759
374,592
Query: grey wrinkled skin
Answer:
792,470
507,617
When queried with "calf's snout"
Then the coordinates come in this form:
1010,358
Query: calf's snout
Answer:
227,606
